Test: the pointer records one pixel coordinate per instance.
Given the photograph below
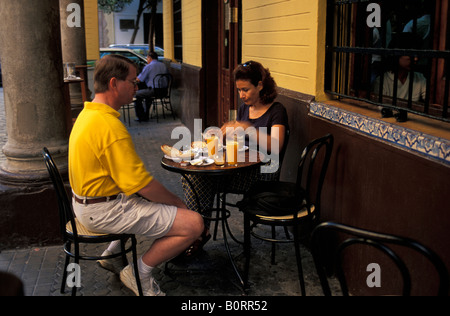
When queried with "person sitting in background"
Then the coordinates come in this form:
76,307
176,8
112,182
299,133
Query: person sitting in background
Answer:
402,66
154,67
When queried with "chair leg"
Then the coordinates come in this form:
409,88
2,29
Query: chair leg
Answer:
299,260
154,109
163,106
77,262
247,249
216,224
273,245
171,109
286,232
124,254
66,264
135,265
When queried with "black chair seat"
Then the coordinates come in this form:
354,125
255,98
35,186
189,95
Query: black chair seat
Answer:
274,199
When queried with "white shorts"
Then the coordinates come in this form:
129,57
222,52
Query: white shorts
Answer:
127,215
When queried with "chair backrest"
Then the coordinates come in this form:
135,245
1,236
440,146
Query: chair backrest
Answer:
162,85
276,175
356,236
313,167
64,204
285,146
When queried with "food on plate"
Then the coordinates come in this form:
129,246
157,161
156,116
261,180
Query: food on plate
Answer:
197,162
170,151
188,155
175,153
202,162
198,145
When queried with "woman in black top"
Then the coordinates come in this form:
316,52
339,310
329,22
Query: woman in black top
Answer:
257,89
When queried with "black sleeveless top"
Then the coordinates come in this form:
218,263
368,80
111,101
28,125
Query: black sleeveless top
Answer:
275,115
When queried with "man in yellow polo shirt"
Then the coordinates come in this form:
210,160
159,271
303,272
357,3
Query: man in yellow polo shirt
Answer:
112,190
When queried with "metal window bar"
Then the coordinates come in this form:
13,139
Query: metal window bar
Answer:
343,54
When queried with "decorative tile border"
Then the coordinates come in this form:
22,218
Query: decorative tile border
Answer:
430,146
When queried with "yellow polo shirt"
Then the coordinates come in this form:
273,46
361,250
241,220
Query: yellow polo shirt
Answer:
102,156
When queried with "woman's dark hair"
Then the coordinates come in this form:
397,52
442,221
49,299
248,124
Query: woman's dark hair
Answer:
255,72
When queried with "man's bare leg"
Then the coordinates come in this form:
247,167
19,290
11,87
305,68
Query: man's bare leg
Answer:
187,228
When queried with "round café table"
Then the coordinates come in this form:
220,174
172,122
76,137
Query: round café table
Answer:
247,160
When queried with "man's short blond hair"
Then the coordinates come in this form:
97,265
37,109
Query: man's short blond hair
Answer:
110,66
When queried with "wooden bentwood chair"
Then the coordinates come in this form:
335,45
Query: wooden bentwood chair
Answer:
285,204
75,233
382,242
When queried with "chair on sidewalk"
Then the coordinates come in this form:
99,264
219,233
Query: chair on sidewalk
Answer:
286,204
346,237
75,233
263,177
127,107
162,95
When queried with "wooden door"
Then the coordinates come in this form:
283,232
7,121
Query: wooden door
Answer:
228,57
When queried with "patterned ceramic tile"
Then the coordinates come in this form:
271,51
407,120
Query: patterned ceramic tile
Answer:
430,146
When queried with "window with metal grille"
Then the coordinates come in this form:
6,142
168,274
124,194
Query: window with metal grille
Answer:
391,53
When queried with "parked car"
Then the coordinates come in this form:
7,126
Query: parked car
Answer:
139,59
140,49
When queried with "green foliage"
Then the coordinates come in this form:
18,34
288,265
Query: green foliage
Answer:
109,6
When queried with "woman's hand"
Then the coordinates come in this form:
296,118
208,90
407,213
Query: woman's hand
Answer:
277,136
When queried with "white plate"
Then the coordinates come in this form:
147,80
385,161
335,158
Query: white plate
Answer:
177,160
202,162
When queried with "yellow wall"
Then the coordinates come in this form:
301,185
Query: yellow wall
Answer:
168,29
91,26
285,36
192,32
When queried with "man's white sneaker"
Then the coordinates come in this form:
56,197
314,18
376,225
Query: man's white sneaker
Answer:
115,265
149,286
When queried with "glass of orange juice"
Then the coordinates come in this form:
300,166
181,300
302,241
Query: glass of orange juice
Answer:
219,160
232,152
212,144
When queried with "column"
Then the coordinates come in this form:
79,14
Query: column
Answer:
73,41
33,89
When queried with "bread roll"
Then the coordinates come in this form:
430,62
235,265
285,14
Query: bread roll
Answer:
175,153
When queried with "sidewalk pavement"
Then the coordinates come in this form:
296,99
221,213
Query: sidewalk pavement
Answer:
210,274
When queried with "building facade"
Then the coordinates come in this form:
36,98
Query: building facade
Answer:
385,175
325,55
